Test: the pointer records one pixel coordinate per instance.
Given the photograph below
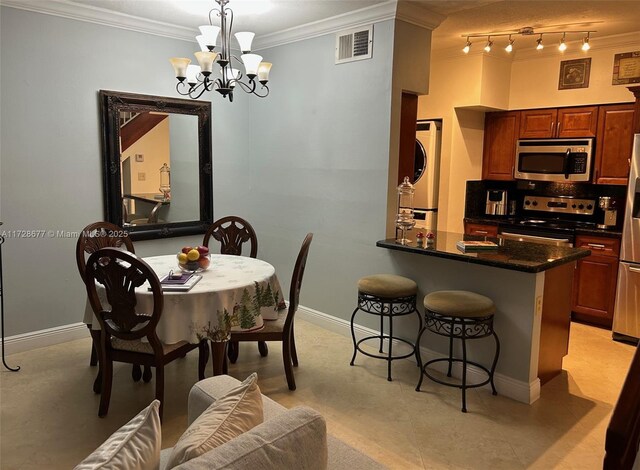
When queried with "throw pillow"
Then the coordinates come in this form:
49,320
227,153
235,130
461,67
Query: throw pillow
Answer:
135,446
229,416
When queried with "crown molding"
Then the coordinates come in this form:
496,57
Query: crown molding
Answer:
353,19
102,16
418,15
91,14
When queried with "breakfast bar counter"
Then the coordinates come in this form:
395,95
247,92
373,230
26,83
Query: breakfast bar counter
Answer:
509,254
529,283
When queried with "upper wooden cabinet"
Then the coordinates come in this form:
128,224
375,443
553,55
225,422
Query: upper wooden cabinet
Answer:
500,138
559,122
614,144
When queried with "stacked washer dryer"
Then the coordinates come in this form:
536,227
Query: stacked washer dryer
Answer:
427,174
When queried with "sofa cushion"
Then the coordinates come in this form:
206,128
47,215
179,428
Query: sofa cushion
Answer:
135,446
296,439
228,417
207,391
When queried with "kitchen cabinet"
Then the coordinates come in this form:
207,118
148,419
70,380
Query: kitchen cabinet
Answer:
594,283
500,140
559,122
614,144
481,229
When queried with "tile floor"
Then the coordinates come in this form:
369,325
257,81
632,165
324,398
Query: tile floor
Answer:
49,413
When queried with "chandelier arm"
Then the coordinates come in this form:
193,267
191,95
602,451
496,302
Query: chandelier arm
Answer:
246,87
192,91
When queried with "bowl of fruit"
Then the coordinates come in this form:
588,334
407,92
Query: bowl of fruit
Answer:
193,260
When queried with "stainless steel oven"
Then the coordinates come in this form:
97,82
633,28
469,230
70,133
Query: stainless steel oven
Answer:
562,160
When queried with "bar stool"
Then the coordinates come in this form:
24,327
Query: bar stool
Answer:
386,295
459,315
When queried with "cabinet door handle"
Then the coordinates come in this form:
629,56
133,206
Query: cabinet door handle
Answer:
558,126
599,246
553,125
483,232
634,270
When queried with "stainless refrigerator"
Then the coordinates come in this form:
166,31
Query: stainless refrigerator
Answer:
626,317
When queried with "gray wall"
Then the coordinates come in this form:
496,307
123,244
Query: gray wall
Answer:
51,170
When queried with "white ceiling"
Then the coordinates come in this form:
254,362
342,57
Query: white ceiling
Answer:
608,17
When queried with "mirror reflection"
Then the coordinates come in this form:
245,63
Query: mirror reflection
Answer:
157,164
158,167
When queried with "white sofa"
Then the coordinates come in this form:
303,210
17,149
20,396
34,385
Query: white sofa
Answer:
295,438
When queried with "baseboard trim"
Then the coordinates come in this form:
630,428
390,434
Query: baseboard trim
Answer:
517,390
42,338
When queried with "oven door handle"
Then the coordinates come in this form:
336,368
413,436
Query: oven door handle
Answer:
533,237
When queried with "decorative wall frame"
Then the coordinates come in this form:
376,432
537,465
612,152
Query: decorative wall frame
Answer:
574,74
626,68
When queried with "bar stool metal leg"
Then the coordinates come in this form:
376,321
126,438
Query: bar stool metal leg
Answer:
353,337
495,362
382,328
450,352
464,371
390,355
422,330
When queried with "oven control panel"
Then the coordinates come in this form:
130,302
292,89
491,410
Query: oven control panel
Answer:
565,205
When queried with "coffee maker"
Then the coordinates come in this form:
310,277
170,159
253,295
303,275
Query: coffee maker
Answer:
496,202
609,215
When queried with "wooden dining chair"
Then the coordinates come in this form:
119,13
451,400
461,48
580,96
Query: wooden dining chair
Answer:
233,232
123,328
92,238
282,328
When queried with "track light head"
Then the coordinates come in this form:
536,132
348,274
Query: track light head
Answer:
467,47
540,46
509,47
563,45
487,48
585,43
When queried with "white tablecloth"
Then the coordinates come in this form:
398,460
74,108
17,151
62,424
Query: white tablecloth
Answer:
235,293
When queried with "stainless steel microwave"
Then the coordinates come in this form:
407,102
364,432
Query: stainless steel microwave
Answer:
561,160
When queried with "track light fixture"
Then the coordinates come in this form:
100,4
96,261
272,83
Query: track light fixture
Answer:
509,47
585,43
527,31
487,48
467,47
563,45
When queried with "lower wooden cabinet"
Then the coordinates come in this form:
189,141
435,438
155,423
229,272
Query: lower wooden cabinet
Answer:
481,229
594,283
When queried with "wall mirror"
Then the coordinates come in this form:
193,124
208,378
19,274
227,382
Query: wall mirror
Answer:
157,164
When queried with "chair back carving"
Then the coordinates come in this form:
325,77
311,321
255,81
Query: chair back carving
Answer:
232,232
296,280
120,273
96,236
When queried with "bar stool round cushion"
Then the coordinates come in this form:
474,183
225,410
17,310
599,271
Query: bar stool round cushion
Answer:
459,304
387,286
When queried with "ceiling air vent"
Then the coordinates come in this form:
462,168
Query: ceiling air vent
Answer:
354,44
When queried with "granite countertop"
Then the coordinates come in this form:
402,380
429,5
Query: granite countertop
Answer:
598,232
510,254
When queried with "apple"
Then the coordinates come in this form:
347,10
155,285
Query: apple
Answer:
186,249
204,262
203,250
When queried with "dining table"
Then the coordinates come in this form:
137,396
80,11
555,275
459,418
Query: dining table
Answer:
235,293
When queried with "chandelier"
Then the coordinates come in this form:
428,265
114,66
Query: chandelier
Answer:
528,31
194,80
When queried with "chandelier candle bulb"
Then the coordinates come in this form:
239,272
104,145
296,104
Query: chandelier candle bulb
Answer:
210,34
180,67
206,60
245,39
251,64
202,43
192,74
263,72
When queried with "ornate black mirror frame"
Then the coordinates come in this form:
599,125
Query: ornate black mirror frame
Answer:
111,104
